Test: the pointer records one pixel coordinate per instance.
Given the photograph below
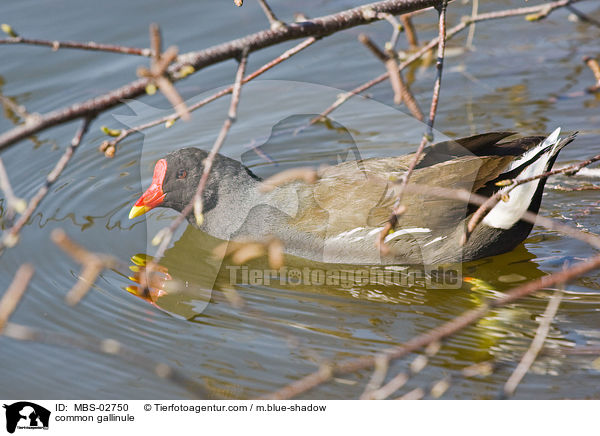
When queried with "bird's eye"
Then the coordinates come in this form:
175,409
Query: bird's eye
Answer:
181,173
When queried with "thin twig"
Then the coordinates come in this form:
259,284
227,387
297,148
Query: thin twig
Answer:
583,17
536,345
11,236
157,74
480,214
390,387
540,15
411,33
379,373
396,80
427,136
577,188
367,85
92,265
196,203
16,108
415,394
395,25
94,46
401,91
406,95
13,295
438,80
440,387
471,34
368,42
307,175
417,365
273,21
595,67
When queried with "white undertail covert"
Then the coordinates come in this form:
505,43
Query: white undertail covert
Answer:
505,214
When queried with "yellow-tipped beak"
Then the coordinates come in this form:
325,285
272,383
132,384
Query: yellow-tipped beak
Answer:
154,195
137,211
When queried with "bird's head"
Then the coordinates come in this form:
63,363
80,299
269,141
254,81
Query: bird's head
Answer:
174,183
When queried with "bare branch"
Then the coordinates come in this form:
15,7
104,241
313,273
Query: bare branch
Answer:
411,33
92,265
417,365
593,64
93,46
11,236
415,394
471,34
395,25
317,27
577,188
379,373
439,67
16,108
275,23
405,94
196,203
390,387
583,17
535,347
540,15
368,42
158,73
11,298
440,387
155,41
427,136
401,91
306,174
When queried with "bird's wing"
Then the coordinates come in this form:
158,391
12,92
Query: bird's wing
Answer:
362,194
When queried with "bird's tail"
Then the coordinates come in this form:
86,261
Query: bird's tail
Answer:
534,162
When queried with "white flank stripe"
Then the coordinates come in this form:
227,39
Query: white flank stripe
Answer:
346,234
406,231
375,231
439,238
353,231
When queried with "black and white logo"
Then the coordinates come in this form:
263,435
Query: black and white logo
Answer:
26,415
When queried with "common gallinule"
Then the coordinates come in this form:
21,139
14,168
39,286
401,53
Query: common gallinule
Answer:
339,218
